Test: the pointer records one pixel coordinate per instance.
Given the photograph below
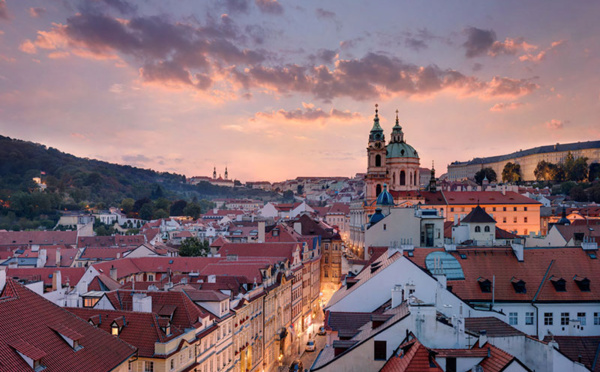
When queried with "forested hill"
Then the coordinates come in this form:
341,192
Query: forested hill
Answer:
73,180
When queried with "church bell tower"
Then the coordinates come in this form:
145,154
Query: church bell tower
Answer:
376,167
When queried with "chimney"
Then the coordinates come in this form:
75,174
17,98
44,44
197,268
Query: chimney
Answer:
42,258
518,250
113,273
298,227
56,280
2,279
482,337
142,303
397,295
261,231
58,257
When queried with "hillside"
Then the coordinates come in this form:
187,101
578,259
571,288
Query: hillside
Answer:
73,182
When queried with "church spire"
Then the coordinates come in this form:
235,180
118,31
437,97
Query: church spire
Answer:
397,134
226,173
215,173
376,132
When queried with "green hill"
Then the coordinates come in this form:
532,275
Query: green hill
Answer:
73,182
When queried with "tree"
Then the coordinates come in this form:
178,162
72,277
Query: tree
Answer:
160,213
578,194
594,172
192,210
483,173
162,203
288,196
511,172
544,171
177,208
147,211
192,247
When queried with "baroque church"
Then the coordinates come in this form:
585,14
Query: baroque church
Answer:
392,167
395,164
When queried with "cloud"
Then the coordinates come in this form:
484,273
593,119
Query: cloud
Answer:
323,56
507,87
541,55
504,106
237,6
36,12
122,6
349,44
324,14
28,47
79,136
478,41
202,56
555,124
477,67
415,44
269,6
3,10
510,47
136,159
308,113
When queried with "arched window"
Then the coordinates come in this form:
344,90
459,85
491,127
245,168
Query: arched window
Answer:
415,178
486,229
402,178
378,190
411,179
394,178
378,160
477,228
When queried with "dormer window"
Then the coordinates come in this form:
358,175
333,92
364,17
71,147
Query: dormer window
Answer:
117,326
70,336
560,285
485,285
30,354
582,283
114,330
518,285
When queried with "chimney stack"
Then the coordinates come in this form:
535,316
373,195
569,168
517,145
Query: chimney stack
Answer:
113,273
261,231
58,257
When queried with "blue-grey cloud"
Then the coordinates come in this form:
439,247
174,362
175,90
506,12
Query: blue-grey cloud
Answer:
478,41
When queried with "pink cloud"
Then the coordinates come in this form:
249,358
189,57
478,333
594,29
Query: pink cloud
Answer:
504,106
555,124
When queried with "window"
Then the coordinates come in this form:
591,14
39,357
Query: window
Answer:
548,319
513,318
486,229
596,318
384,227
515,219
493,209
504,209
150,277
451,209
148,366
503,219
380,350
114,330
477,228
525,219
525,209
172,363
514,209
529,318
581,318
564,318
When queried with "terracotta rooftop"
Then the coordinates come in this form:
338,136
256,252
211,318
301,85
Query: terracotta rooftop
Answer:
585,350
38,237
412,356
32,325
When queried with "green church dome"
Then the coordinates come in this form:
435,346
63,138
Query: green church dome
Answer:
401,150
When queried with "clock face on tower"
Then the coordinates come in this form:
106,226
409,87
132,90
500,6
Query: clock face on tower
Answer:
378,145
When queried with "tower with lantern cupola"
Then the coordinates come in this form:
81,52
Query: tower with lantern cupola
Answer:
376,167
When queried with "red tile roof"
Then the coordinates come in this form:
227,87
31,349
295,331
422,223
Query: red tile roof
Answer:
114,241
493,327
261,249
588,348
31,325
141,330
540,265
412,356
486,197
498,359
38,237
45,274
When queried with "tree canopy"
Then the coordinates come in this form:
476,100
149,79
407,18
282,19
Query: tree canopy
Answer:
192,247
485,172
511,172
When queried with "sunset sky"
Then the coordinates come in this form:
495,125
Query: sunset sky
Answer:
278,89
